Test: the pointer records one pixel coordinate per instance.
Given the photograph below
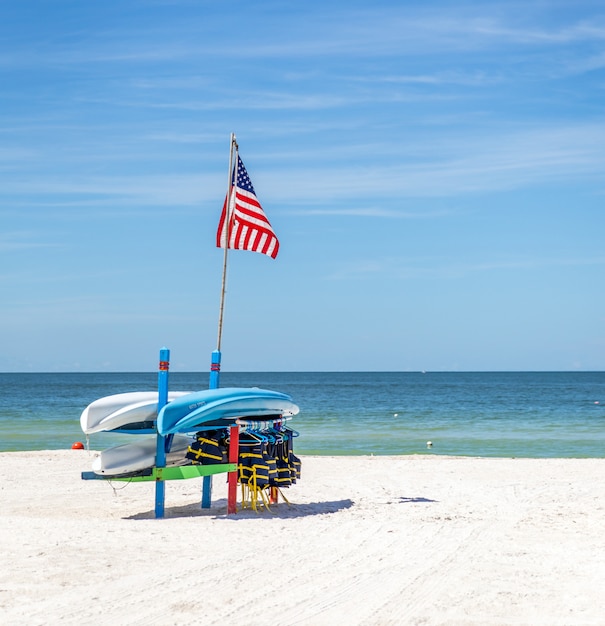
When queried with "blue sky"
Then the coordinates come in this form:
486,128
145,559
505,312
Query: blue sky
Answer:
435,173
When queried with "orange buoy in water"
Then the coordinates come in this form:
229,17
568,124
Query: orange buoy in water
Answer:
77,446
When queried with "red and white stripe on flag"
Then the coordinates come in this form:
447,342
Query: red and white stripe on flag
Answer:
249,228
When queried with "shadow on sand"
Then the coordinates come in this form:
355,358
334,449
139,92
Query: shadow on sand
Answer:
219,510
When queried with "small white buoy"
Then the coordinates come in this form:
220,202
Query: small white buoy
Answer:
429,444
395,414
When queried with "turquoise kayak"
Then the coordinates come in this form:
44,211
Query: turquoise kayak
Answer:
212,408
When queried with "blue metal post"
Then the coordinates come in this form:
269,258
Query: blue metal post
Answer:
215,373
215,370
160,453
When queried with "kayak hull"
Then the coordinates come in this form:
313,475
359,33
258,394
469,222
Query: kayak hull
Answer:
126,412
214,408
139,455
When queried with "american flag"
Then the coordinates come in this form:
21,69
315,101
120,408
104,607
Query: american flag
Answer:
249,228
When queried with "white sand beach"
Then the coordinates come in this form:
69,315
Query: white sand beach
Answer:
415,540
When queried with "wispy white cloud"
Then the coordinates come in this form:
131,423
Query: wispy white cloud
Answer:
474,78
457,164
452,268
582,64
150,190
461,165
371,211
375,32
23,240
580,31
249,100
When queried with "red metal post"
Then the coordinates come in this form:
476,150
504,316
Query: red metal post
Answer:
232,476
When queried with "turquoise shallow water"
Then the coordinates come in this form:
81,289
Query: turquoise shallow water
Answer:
508,414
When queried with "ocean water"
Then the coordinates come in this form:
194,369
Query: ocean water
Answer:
495,414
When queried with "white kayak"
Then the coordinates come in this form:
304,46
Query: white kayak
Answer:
127,412
139,455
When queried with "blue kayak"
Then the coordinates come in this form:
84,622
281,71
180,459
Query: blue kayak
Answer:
213,408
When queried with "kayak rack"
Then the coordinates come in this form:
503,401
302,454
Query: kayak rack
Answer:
160,473
278,467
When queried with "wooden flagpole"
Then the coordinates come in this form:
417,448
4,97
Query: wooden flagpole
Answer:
215,366
226,229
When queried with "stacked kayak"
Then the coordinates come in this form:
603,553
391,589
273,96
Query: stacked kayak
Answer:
185,414
133,412
214,408
131,458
